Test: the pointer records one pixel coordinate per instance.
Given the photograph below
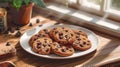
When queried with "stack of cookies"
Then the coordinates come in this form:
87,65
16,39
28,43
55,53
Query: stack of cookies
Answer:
61,41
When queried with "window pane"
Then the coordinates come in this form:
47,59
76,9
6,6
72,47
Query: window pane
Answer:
92,3
72,1
115,4
97,2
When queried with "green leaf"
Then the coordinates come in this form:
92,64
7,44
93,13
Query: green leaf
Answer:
17,3
26,1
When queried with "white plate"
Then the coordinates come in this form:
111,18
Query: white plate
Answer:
24,42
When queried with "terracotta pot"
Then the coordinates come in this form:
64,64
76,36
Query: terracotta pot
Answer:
22,16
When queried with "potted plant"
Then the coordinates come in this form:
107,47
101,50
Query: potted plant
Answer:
21,10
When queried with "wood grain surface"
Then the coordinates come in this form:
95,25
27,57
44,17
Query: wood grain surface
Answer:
107,51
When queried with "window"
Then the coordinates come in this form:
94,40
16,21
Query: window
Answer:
115,4
111,8
99,7
95,4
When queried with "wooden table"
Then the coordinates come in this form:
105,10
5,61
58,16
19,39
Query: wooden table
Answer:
107,51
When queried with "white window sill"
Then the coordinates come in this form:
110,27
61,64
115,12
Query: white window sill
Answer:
85,19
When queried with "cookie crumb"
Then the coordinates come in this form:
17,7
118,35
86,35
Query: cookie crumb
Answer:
8,44
18,34
37,20
40,25
30,24
17,28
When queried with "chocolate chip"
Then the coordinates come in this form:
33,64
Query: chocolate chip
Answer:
43,35
46,31
63,28
84,39
54,28
62,50
56,48
8,44
77,36
61,37
40,25
84,42
66,36
44,45
49,45
56,32
35,39
60,34
39,35
36,35
17,28
81,45
39,43
88,41
57,23
37,20
88,44
18,34
67,49
78,39
47,50
30,24
38,46
60,45
45,41
66,30
70,50
80,31
71,34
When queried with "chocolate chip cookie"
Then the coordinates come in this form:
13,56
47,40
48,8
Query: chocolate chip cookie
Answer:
82,43
79,32
45,31
62,50
41,33
62,35
42,45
